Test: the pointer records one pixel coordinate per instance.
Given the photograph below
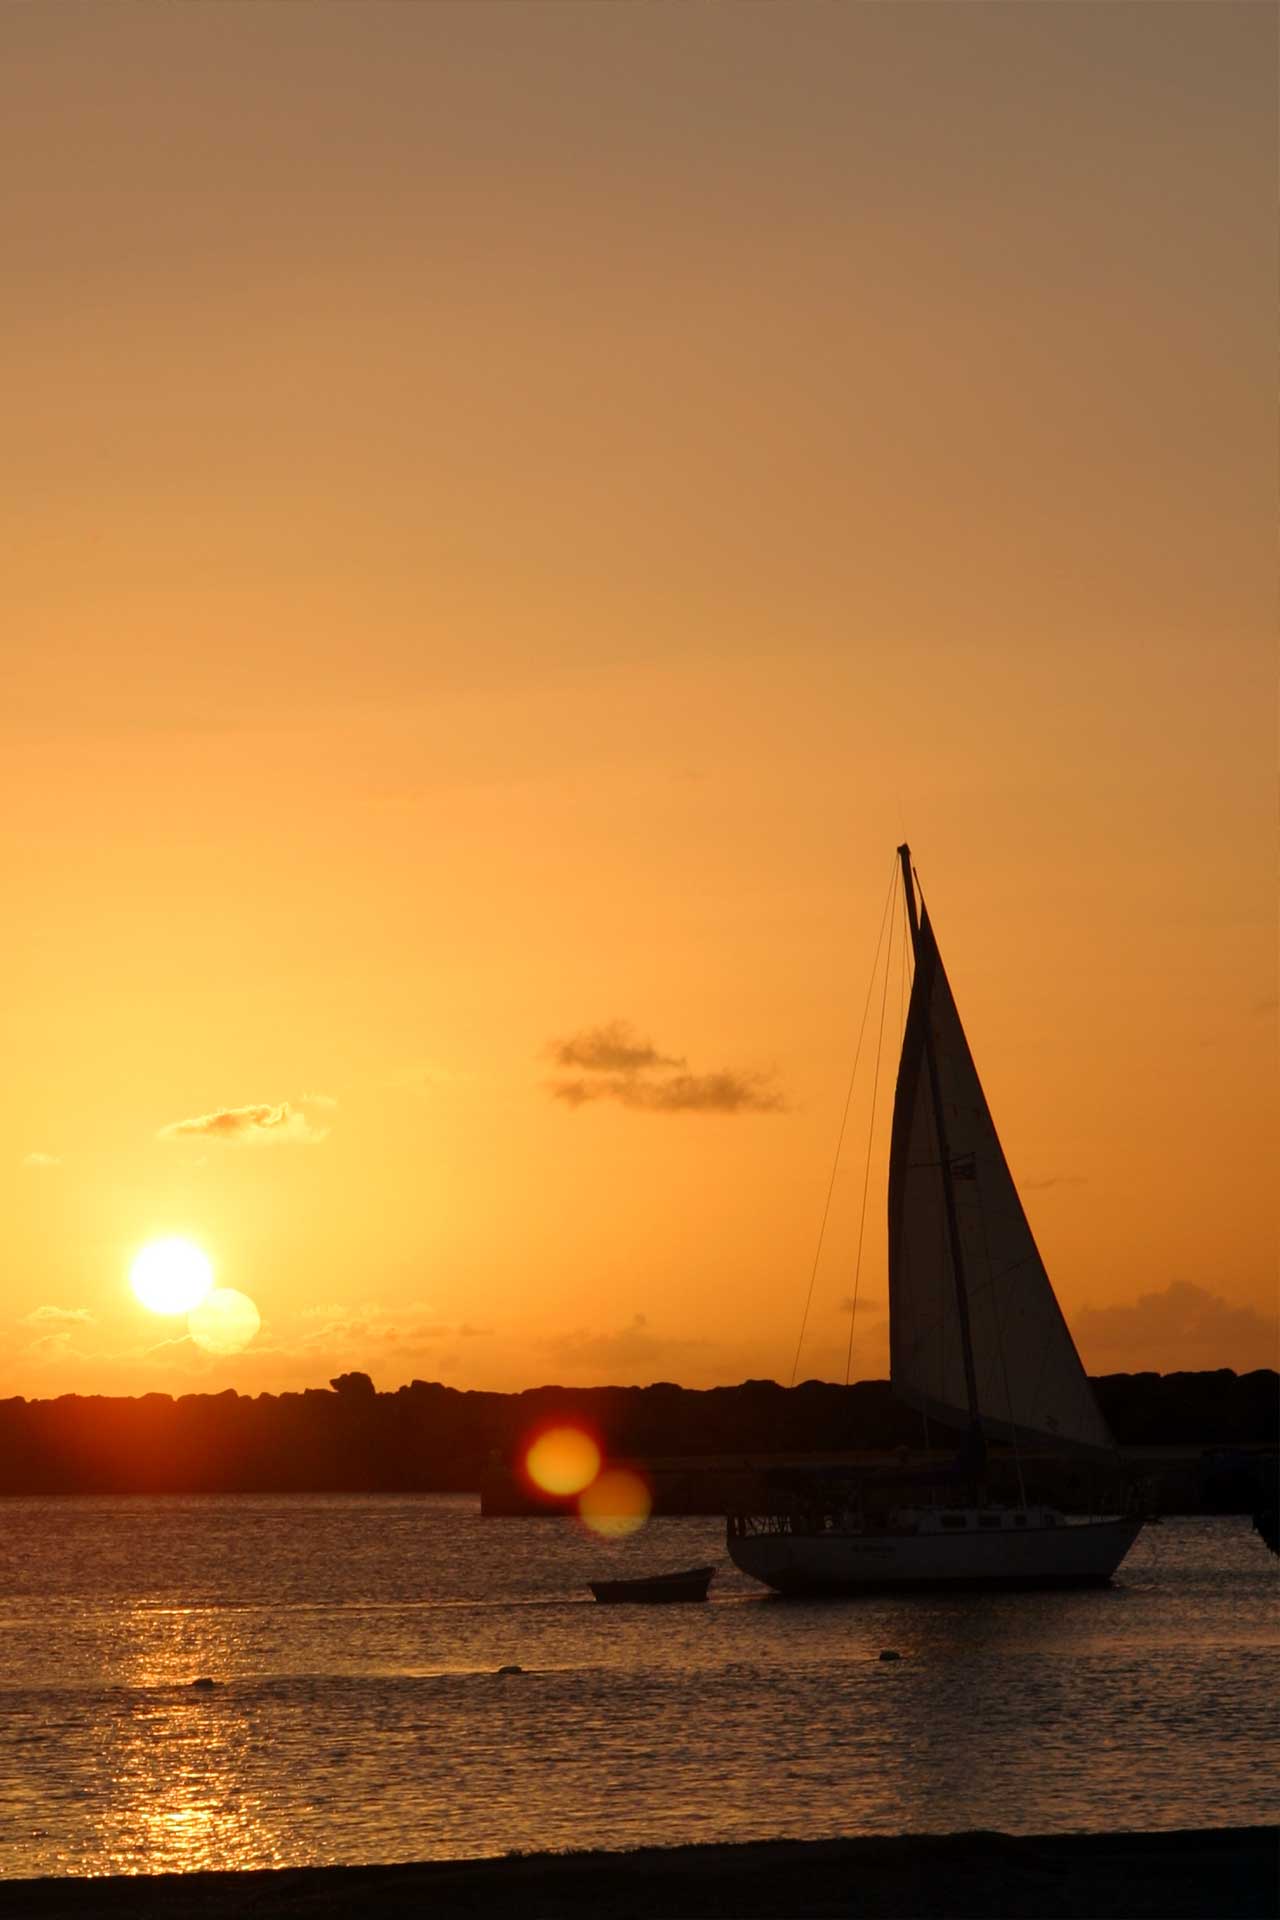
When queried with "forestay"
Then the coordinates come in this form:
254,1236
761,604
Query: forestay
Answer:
1030,1382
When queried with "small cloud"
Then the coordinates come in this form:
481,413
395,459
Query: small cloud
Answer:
724,1092
616,1064
612,1048
161,1346
41,1160
279,1125
1054,1180
866,1303
373,1332
58,1317
325,1100
52,1346
630,1349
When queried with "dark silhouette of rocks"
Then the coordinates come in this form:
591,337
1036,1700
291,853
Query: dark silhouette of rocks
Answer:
431,1438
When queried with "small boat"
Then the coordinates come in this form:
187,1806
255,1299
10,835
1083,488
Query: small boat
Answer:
660,1589
977,1342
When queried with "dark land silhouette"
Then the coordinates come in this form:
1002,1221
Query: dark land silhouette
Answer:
1230,1872
426,1437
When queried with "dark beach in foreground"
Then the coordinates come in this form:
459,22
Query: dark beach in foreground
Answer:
1193,1874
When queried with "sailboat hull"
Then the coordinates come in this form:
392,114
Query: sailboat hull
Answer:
1086,1553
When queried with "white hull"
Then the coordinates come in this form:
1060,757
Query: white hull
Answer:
1085,1553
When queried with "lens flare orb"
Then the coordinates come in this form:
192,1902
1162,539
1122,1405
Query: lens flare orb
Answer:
225,1321
171,1276
562,1461
616,1503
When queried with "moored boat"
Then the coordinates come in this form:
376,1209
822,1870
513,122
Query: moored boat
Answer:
659,1589
929,1547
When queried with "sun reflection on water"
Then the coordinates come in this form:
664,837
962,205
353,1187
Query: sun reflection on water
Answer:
168,1791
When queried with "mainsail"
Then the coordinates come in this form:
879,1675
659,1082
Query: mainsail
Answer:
1027,1376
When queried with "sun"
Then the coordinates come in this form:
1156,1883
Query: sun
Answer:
171,1276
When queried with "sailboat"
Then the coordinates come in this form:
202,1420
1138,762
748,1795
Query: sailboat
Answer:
977,1342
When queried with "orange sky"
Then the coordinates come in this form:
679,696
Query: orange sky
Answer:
512,513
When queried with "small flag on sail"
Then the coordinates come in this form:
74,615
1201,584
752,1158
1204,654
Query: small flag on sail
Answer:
964,1167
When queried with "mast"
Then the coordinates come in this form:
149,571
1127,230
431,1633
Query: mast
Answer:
975,1452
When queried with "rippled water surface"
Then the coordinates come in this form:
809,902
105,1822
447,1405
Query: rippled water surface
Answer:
359,1716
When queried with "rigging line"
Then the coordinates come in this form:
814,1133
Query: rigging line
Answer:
866,1176
902,989
844,1119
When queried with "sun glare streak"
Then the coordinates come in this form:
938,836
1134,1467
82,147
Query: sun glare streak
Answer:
562,1461
171,1276
617,1502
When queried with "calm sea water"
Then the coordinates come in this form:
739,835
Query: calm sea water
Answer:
359,1716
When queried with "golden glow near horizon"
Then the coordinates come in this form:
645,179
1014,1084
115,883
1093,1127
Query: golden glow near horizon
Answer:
510,542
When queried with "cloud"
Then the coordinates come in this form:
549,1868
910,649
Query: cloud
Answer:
616,1064
58,1317
170,1341
613,1048
1054,1180
724,1092
53,1346
867,1303
283,1124
1181,1328
41,1160
375,1332
631,1349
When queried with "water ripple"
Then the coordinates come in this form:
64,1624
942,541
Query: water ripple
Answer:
358,1715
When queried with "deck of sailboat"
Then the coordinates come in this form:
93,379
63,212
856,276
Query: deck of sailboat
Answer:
908,1522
